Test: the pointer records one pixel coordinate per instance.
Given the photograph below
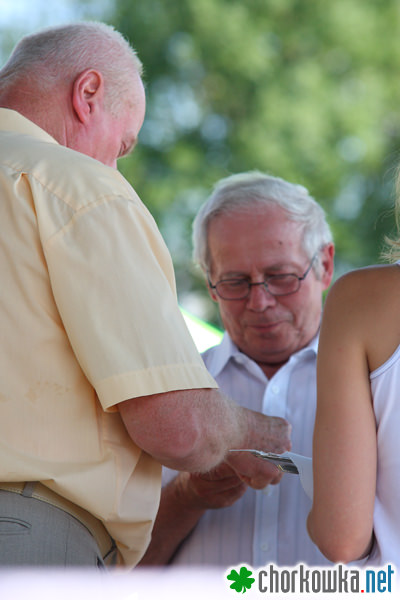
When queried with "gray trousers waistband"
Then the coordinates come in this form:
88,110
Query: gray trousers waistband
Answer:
34,533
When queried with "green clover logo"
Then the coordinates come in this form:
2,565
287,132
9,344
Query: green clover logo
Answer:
242,580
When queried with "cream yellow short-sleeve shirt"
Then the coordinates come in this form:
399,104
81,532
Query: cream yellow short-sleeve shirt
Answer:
88,318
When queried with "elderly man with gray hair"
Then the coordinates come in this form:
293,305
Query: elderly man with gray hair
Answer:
267,254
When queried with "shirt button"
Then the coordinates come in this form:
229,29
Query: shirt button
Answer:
268,490
264,547
275,389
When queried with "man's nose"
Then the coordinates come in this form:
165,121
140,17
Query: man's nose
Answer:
259,297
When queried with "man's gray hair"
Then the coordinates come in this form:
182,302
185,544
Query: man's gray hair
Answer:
244,192
61,53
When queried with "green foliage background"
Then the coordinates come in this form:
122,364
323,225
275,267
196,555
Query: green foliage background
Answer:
304,89
307,90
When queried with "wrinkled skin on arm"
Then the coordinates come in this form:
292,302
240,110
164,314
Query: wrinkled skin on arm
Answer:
192,430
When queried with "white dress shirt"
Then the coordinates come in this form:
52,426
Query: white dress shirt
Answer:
264,526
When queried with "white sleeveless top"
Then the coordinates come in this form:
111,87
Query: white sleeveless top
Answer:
385,386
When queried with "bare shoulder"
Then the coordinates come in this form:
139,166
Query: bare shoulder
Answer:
367,285
365,303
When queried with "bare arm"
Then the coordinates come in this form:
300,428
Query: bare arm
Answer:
344,452
192,430
183,502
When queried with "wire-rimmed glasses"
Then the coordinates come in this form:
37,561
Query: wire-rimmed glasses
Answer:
277,285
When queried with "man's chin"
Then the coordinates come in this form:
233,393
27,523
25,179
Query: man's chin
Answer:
268,353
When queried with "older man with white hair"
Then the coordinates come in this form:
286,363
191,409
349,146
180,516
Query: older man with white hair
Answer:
266,251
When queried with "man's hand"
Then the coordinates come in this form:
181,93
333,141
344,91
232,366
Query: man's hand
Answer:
254,471
218,488
271,434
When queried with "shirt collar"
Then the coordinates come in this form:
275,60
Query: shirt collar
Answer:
227,351
11,120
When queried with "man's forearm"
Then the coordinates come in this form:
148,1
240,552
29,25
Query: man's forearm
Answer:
188,430
176,518
193,430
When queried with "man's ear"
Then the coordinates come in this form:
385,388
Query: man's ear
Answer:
212,293
87,92
327,262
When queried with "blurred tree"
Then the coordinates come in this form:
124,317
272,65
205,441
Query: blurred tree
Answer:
304,90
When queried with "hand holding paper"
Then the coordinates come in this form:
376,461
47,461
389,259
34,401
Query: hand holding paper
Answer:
289,462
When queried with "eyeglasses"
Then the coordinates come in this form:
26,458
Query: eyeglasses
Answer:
276,285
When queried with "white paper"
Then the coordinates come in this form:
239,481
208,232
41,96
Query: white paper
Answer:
304,467
302,463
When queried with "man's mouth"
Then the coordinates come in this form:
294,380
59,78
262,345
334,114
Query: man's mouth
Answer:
265,325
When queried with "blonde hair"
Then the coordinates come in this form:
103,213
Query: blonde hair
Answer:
391,251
